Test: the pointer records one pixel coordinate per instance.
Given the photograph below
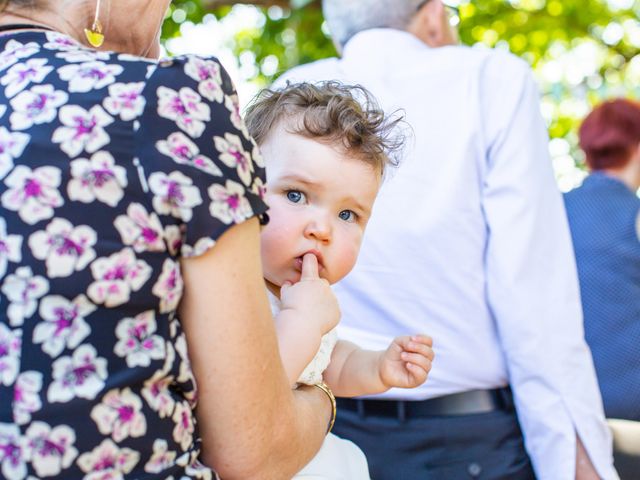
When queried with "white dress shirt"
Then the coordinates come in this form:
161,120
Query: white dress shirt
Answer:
469,242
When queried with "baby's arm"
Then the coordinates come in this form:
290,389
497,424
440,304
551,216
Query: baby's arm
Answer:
404,364
298,342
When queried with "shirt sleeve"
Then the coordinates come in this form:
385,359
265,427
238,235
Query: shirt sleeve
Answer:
203,171
532,284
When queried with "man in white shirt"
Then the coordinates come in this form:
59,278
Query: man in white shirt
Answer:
469,243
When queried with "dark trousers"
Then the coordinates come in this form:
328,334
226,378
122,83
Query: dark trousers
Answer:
487,446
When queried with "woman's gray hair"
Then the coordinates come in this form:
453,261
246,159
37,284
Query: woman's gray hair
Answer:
345,18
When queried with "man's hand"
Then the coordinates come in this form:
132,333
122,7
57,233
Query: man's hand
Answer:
407,361
311,299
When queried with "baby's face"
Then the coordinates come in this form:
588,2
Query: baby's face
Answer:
320,201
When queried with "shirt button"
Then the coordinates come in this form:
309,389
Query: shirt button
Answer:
474,469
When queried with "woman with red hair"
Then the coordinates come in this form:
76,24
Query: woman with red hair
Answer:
604,217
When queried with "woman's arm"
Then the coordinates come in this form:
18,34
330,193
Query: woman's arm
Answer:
252,424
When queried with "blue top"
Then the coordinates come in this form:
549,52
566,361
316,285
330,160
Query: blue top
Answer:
112,168
602,214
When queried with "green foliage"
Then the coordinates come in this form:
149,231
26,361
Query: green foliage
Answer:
582,51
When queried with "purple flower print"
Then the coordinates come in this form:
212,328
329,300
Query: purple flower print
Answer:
183,151
12,457
125,100
23,289
20,75
26,396
174,194
82,130
50,450
80,375
185,108
169,286
229,205
87,76
10,345
36,106
64,248
120,415
141,230
207,74
233,154
12,144
32,193
108,462
97,179
137,341
116,277
63,323
10,247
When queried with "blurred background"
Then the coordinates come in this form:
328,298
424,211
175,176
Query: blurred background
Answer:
581,51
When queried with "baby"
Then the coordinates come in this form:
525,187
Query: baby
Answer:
326,148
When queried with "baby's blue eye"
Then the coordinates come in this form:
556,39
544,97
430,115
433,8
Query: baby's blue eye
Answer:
347,216
295,196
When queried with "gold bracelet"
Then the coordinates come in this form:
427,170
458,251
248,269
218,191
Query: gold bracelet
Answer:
325,388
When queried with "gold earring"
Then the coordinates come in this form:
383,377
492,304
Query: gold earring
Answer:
94,35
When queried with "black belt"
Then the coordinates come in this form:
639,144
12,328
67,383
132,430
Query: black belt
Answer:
464,403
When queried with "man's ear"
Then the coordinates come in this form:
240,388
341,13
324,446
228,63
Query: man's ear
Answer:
431,25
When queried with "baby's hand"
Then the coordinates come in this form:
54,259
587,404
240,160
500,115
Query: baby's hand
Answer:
311,298
407,361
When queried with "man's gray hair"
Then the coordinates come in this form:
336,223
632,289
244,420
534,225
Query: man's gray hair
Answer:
345,18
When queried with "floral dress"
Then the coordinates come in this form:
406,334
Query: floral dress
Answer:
112,168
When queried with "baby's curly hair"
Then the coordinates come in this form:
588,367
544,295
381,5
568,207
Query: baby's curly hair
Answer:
334,113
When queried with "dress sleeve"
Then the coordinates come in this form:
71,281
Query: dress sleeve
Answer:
201,169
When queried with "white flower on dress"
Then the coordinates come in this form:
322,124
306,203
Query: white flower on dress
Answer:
233,105
116,277
82,55
229,205
10,347
14,51
99,178
183,151
173,237
23,290
36,106
50,450
108,462
169,286
92,75
65,248
174,194
80,375
185,108
184,425
202,245
137,341
21,74
162,458
157,389
140,229
119,415
207,74
126,100
259,188
3,110
83,130
12,145
233,154
197,470
12,458
26,396
185,374
10,247
32,193
63,323
57,41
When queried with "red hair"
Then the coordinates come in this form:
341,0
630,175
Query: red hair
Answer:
610,133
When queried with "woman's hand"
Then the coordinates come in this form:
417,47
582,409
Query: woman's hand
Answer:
311,299
407,361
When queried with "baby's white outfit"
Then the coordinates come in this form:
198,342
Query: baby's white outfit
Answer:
338,459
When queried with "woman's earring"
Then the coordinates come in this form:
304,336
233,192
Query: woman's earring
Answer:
94,35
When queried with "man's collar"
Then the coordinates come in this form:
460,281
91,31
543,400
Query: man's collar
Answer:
382,39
